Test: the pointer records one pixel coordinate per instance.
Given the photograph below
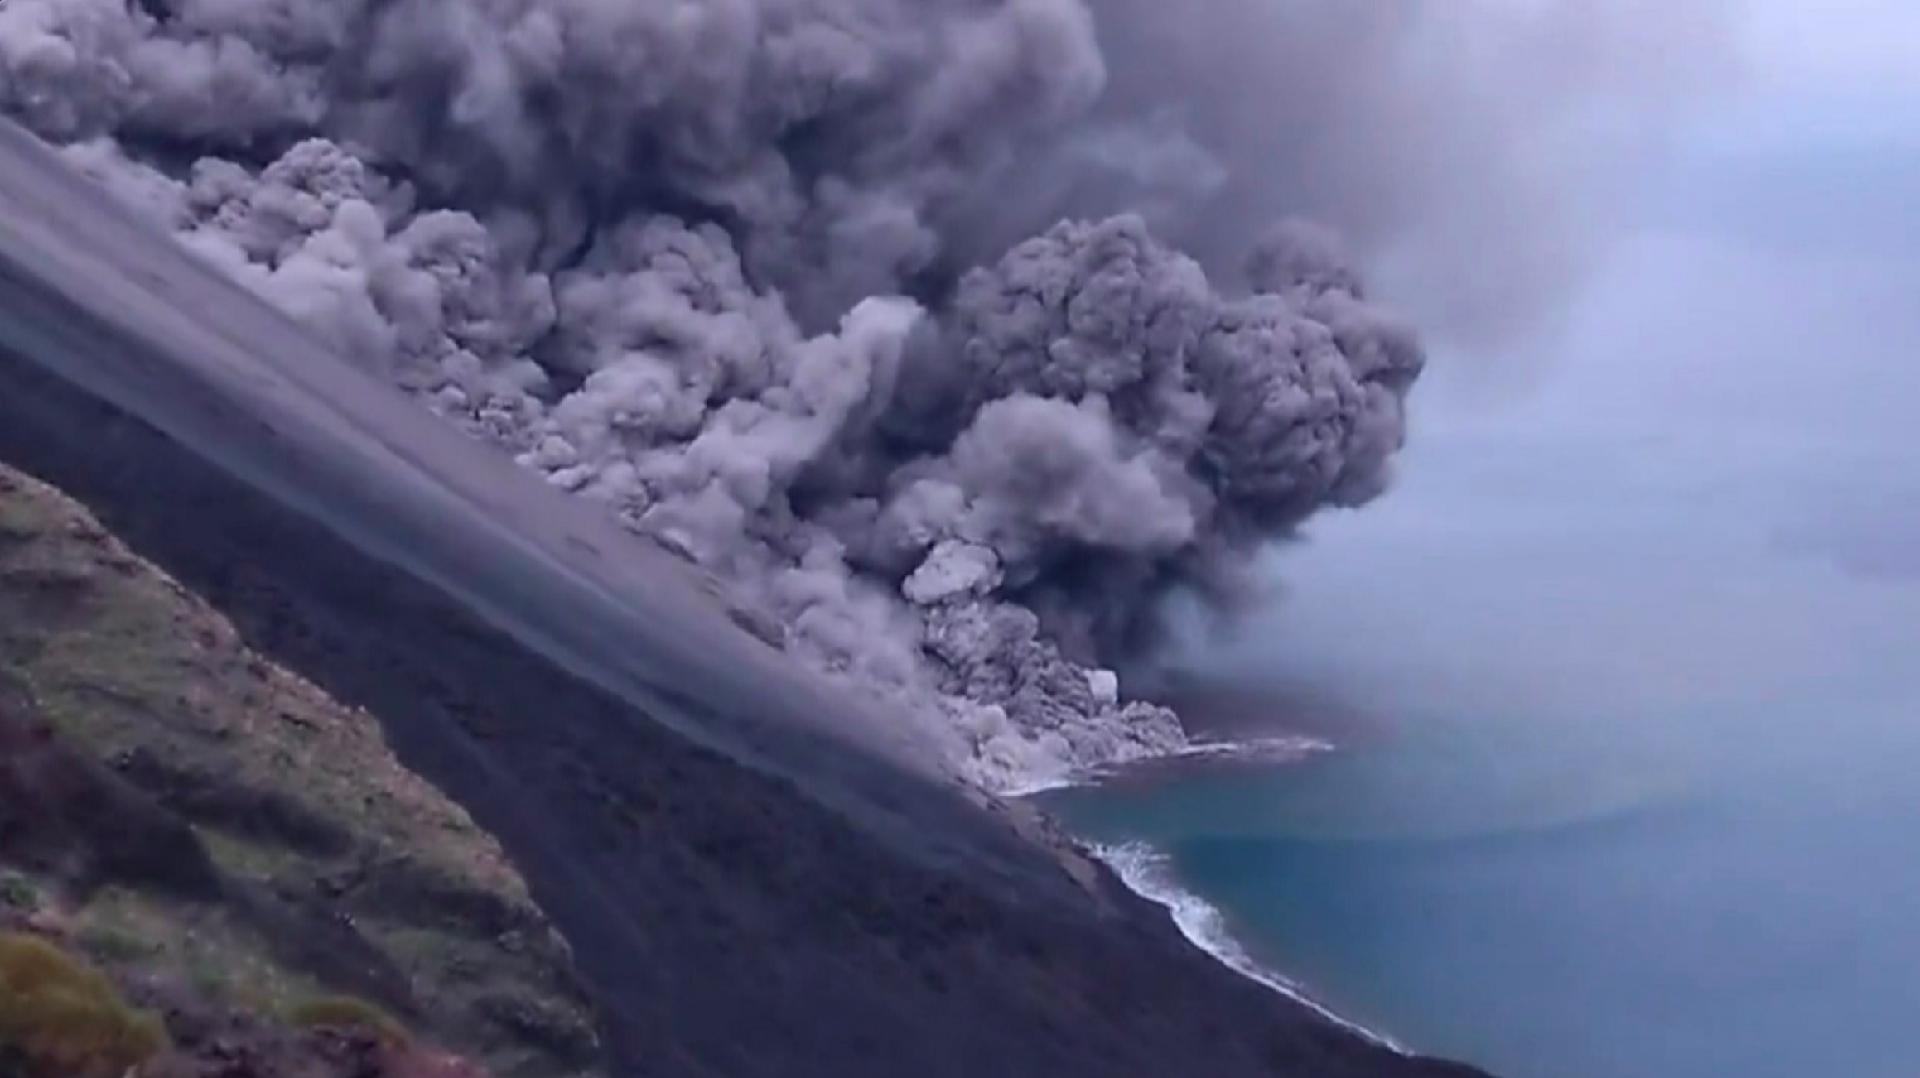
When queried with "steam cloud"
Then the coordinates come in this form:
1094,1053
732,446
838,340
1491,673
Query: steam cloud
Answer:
821,293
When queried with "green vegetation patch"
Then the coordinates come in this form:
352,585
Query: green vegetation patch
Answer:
60,1018
347,1012
340,870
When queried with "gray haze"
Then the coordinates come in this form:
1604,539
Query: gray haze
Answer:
1708,490
1640,628
875,307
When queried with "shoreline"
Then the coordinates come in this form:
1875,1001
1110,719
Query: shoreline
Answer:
704,858
1148,872
1259,751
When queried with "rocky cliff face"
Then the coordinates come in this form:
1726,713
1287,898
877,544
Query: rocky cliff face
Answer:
222,836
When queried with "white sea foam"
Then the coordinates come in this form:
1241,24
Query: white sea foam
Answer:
1149,873
1035,785
1264,750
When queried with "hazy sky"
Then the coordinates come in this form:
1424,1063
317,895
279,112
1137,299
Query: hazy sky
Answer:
1760,296
1833,48
1702,485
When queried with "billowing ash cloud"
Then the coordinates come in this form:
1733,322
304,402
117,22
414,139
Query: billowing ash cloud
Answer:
821,293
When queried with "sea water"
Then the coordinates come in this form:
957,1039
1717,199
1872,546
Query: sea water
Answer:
1634,791
1624,674
1451,890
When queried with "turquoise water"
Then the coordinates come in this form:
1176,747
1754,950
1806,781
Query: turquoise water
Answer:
1471,894
1625,671
1634,791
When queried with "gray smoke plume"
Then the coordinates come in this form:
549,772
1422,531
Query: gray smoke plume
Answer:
824,294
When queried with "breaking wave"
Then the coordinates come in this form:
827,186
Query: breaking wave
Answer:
1149,873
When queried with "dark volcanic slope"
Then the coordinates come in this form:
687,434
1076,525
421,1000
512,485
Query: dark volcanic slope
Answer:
225,842
820,917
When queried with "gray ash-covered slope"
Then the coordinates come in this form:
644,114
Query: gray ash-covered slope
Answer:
723,270
753,880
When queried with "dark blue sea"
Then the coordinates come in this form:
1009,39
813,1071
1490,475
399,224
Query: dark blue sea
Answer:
1469,893
1623,677
1624,778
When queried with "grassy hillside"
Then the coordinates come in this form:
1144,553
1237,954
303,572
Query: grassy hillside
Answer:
220,836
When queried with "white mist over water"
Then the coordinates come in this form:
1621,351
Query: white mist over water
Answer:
1639,642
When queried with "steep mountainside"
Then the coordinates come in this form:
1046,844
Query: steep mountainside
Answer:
727,921
746,887
217,832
